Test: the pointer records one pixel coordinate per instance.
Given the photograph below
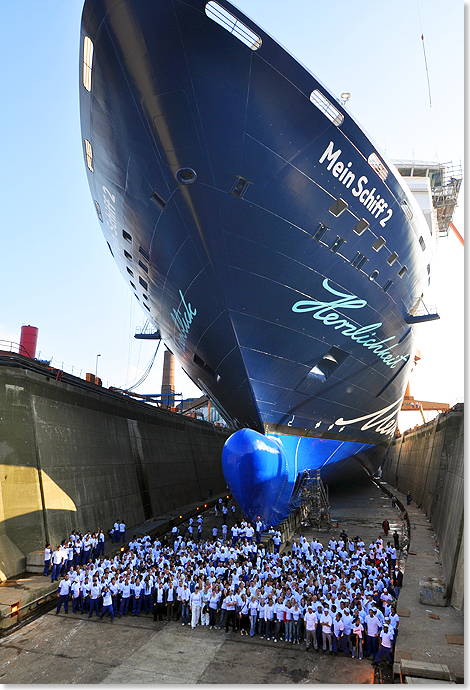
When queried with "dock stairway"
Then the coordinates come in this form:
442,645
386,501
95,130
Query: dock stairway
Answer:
311,491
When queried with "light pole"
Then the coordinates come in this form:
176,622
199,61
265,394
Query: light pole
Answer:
96,368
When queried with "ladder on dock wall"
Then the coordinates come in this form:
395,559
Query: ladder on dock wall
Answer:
312,493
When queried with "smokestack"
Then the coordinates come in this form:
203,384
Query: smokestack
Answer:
28,340
168,378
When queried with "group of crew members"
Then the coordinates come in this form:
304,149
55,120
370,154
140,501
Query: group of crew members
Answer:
79,549
337,597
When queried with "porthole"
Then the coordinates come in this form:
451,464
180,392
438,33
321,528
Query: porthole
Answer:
186,176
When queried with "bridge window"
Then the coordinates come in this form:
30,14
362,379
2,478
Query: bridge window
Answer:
89,155
326,107
87,62
377,165
233,25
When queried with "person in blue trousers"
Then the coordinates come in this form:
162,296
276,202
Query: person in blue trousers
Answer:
64,590
107,604
125,597
95,593
47,559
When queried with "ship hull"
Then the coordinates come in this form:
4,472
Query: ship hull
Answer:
272,244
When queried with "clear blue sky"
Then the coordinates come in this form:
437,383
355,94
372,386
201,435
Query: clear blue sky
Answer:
56,270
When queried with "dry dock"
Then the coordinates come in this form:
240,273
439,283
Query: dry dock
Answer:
72,649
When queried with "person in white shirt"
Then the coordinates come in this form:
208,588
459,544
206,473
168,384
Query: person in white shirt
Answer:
100,547
326,622
279,608
357,634
296,618
47,559
348,621
269,616
338,630
249,532
75,589
205,599
64,590
95,593
56,564
214,606
195,606
310,619
372,625
386,638
122,532
107,604
231,606
115,536
184,596
158,600
253,607
288,621
259,528
125,597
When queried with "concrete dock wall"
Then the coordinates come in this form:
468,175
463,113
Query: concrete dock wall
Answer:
429,462
75,456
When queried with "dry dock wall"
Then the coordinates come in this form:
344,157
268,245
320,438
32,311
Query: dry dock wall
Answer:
429,462
74,456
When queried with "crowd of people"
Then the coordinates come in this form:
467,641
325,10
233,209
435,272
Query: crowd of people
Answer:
337,597
79,549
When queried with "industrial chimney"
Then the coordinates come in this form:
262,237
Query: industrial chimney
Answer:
168,378
28,340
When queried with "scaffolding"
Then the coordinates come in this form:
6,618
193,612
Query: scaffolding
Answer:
311,492
445,181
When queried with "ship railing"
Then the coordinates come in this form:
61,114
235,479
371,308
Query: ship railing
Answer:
9,346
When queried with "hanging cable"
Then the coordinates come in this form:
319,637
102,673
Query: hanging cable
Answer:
146,372
424,52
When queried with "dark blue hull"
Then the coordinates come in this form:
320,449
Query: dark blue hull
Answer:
275,248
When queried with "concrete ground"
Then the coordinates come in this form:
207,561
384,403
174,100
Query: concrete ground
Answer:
428,633
73,649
